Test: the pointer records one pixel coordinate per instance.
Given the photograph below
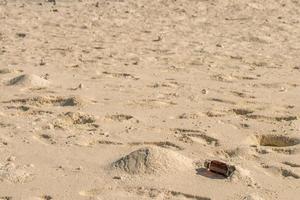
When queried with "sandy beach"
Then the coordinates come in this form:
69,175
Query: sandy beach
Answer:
126,99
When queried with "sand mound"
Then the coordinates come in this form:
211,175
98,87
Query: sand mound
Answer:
149,160
29,80
277,140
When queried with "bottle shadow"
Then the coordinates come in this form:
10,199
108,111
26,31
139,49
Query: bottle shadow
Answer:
208,174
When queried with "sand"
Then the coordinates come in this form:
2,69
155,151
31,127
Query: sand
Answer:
152,160
120,99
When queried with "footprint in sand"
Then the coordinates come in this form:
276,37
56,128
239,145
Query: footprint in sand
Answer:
276,140
284,144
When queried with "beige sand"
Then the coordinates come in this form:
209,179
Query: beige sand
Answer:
125,99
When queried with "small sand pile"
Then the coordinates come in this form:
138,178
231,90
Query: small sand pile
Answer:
149,160
29,80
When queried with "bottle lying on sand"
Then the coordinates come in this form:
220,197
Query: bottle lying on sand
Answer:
219,167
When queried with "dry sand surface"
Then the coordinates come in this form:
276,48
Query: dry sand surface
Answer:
126,99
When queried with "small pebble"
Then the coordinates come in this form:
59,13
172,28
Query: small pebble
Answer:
42,62
47,197
30,165
80,86
6,198
21,35
49,126
204,91
11,158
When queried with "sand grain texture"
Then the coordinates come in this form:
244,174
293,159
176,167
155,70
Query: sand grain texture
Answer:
115,99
